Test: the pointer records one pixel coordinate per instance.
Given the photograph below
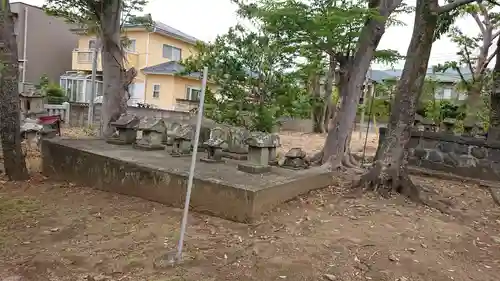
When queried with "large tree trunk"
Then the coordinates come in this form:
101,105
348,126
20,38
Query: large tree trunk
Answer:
114,75
350,84
494,127
330,79
389,170
317,114
14,162
474,102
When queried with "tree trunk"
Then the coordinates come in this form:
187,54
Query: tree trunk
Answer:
494,127
115,94
330,79
474,102
317,108
351,83
14,162
389,170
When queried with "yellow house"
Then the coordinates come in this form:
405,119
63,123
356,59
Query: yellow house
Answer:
155,53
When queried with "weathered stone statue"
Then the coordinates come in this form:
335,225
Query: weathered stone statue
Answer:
181,141
236,146
295,159
273,160
449,125
214,145
259,144
469,129
153,131
125,130
429,125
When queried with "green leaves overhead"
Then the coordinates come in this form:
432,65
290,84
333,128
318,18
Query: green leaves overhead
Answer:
249,70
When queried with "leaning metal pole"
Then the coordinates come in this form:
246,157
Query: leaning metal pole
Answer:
193,163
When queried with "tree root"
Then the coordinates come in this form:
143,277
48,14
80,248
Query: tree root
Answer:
348,162
387,181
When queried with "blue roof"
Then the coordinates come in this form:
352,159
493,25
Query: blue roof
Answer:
169,68
170,31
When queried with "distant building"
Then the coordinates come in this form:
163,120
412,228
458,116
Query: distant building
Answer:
44,43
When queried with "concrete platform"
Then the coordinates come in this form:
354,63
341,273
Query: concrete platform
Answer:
219,189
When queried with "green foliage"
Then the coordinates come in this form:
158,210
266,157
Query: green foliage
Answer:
253,87
43,83
55,94
439,110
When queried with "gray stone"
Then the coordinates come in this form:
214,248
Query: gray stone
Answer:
446,147
153,131
259,144
461,149
236,140
494,155
467,161
429,144
296,152
479,152
214,145
125,130
295,158
450,159
182,141
420,153
435,156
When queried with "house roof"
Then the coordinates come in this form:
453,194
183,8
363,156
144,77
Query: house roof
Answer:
169,68
160,28
448,76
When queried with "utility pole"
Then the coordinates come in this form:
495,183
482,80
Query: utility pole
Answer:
90,120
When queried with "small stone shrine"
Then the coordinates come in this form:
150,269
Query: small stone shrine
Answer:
429,125
259,144
153,131
181,141
418,122
295,159
236,147
449,125
168,139
214,146
125,130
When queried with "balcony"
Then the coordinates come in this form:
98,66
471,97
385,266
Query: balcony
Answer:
82,60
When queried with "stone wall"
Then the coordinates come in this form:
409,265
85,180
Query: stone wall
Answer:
78,115
461,155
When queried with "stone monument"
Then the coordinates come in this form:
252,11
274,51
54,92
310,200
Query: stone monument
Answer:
153,131
259,144
236,147
181,141
295,159
214,146
125,130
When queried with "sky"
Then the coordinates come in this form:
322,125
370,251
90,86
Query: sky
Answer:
205,19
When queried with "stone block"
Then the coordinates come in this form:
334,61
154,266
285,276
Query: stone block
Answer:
479,152
461,149
435,156
446,147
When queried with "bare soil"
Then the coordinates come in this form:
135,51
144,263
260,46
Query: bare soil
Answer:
60,231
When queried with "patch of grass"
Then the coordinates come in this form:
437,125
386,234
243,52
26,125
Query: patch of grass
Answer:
15,209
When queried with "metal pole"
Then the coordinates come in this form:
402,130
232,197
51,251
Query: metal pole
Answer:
193,163
90,119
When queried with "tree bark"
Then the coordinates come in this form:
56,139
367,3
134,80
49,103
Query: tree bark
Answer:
389,170
350,84
317,113
330,79
494,127
115,93
14,162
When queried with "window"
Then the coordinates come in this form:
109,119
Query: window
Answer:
172,53
92,43
156,91
446,94
130,45
193,94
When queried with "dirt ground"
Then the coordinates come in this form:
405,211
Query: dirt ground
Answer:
60,231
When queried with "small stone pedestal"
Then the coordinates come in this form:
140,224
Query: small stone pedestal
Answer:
125,130
152,134
259,145
295,159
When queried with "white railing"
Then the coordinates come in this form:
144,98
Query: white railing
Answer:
58,109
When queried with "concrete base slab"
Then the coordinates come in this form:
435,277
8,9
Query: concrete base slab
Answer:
254,169
148,147
235,156
117,142
221,190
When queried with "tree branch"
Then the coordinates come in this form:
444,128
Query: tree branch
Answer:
475,16
495,35
466,83
489,59
452,5
469,62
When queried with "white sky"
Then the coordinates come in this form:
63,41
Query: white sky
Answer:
205,19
